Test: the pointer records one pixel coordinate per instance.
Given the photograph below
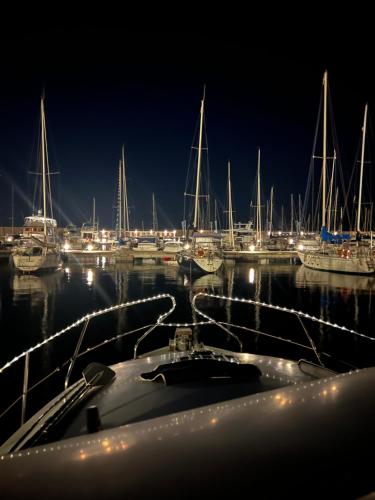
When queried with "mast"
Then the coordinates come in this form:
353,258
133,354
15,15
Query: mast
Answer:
119,206
291,214
154,214
324,167
230,212
271,210
335,210
259,222
125,191
331,193
93,214
12,209
43,128
361,173
215,216
196,208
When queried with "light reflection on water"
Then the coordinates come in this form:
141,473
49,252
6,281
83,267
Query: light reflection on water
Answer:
34,307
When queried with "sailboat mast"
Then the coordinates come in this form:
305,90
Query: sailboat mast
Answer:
43,128
259,222
119,208
215,216
154,214
125,191
361,173
93,214
335,210
196,208
271,210
230,212
12,208
324,167
331,193
291,214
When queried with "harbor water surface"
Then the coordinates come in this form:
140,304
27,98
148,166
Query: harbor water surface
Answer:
33,307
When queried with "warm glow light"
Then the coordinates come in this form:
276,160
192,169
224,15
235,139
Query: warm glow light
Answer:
105,443
291,241
187,246
165,232
279,233
251,275
251,248
90,276
89,248
300,247
66,246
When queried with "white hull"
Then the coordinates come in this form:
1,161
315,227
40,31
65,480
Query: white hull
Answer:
172,249
336,263
192,263
145,248
32,263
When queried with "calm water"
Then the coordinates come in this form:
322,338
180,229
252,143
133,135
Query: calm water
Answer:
34,307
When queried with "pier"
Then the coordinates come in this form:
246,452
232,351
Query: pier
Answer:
259,256
128,255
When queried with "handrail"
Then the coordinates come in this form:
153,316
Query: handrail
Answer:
158,322
298,314
82,320
85,320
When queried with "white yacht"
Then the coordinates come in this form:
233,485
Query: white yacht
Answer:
335,252
39,249
203,254
147,244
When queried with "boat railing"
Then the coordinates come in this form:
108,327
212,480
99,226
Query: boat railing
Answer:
146,330
84,321
299,315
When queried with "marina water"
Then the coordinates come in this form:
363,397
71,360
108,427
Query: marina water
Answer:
33,307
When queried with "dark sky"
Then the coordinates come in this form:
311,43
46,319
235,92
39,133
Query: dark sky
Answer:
108,86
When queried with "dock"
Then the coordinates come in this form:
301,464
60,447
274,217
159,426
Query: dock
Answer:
262,256
129,255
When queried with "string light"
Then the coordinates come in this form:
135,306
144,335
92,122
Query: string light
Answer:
90,316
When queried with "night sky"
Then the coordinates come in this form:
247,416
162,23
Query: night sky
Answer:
107,87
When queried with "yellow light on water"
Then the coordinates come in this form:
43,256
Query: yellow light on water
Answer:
251,275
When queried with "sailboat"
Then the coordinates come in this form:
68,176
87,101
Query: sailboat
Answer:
39,249
203,253
335,253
